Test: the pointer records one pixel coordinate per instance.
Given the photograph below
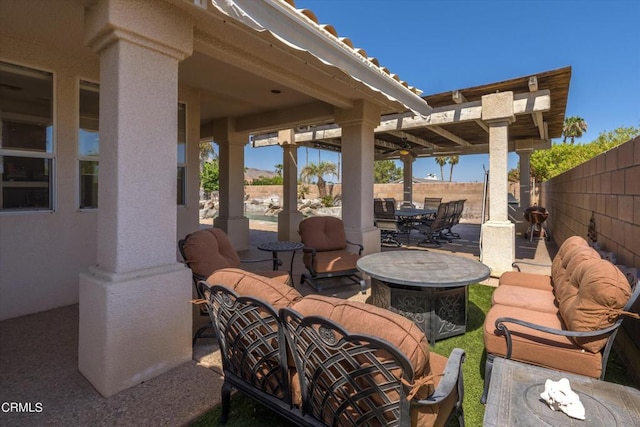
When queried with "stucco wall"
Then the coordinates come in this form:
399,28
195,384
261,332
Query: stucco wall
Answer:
607,189
43,253
472,192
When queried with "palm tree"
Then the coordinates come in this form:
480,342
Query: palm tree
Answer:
441,161
573,127
453,160
319,170
279,167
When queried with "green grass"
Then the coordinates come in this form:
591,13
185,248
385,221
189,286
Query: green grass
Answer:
247,412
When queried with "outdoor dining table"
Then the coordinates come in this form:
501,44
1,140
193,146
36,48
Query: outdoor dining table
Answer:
414,212
407,217
429,288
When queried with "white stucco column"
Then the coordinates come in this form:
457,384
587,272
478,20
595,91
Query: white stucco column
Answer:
498,234
357,125
525,176
135,316
231,160
524,150
290,217
407,178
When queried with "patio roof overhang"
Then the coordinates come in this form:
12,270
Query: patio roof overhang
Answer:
454,126
269,66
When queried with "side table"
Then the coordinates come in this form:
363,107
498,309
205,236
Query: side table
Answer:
282,246
514,398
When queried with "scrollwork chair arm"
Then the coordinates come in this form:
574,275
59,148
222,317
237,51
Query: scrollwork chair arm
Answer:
516,264
501,327
451,380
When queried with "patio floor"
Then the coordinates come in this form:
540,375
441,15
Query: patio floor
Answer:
39,356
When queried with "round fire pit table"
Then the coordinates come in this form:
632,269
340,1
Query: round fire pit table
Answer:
429,288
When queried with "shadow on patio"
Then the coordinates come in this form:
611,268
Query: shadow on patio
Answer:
39,356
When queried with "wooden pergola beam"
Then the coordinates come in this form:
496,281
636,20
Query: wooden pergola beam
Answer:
459,98
537,115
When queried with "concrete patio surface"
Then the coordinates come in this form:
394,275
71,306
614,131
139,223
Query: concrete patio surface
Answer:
39,354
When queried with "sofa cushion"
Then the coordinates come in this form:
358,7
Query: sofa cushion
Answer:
543,281
562,284
529,298
209,250
362,318
244,283
526,280
323,233
332,261
539,348
602,292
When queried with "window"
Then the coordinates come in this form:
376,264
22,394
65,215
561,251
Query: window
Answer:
182,154
88,144
26,138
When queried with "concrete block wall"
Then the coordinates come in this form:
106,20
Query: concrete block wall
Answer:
607,189
471,191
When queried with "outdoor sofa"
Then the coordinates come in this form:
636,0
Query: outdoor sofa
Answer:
320,360
565,321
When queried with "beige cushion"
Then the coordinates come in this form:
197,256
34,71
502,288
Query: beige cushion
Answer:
602,292
244,283
209,250
323,233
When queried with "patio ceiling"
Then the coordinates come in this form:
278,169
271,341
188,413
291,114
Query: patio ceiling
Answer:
269,66
454,125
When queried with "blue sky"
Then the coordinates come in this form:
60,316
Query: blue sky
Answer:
443,45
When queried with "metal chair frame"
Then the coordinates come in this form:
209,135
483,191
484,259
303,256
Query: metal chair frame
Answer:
501,325
195,278
344,378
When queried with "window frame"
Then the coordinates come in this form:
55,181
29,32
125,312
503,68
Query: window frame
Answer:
182,165
51,155
84,158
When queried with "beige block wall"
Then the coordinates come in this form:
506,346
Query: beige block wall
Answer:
472,192
606,188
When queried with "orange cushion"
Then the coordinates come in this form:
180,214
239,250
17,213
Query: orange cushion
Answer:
362,318
323,233
531,299
436,415
562,284
602,292
245,283
209,250
539,348
526,280
332,261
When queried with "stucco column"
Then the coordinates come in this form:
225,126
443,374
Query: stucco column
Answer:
290,217
231,160
407,178
525,186
135,316
357,125
498,234
525,177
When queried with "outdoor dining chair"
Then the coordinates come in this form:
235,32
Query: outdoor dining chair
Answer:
384,216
